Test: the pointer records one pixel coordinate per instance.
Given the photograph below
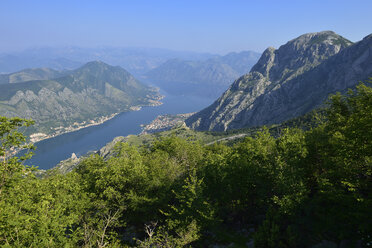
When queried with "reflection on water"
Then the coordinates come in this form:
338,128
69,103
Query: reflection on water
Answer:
49,152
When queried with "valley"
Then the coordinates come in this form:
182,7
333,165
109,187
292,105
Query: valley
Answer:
83,97
170,114
188,149
209,78
51,151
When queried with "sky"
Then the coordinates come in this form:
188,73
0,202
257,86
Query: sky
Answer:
215,26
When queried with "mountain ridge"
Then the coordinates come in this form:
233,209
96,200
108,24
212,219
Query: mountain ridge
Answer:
31,74
203,77
135,60
82,97
285,83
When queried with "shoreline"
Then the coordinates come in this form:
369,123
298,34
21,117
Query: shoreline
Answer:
105,119
153,103
50,152
164,122
156,101
46,137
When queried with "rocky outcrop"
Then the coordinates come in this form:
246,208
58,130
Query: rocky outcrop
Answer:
288,82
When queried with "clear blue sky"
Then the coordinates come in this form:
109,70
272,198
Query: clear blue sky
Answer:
196,25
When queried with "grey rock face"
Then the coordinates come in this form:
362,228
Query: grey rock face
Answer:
289,82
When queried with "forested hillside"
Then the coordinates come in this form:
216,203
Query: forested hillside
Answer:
302,188
72,99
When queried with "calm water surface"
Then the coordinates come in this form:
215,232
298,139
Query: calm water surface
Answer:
49,152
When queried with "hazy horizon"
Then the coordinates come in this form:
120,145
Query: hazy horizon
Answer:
215,27
33,48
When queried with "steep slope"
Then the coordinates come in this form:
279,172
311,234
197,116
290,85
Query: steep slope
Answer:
206,78
30,74
80,98
289,82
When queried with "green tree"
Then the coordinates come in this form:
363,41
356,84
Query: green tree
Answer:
323,185
11,140
35,212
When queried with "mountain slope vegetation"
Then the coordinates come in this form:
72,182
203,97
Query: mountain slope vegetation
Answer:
300,189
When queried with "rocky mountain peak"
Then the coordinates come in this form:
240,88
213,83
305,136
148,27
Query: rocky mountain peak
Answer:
318,45
289,81
299,55
97,73
312,39
265,62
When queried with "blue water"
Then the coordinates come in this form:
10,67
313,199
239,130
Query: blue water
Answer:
49,152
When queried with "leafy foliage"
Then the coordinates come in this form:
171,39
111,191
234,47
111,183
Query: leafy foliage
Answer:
292,188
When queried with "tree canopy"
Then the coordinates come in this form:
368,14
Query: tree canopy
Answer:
298,189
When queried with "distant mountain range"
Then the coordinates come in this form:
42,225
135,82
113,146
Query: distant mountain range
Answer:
177,72
137,61
10,63
209,77
73,99
31,74
289,81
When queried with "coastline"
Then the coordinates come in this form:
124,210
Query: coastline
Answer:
155,101
50,152
37,137
71,129
164,122
45,136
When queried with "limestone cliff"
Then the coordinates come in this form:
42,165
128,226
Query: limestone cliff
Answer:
289,81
